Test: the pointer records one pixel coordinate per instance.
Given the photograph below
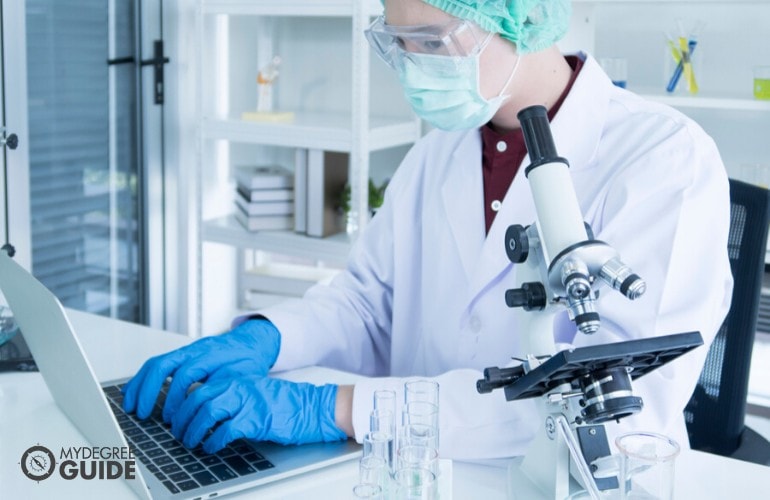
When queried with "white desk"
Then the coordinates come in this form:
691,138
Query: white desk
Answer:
29,416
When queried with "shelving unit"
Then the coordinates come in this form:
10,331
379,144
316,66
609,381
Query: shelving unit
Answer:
356,131
706,100
332,250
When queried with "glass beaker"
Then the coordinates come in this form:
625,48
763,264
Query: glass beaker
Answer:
646,465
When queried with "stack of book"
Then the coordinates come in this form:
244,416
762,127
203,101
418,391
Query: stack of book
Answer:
264,197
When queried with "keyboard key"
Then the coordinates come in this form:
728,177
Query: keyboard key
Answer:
243,448
253,457
112,390
141,438
171,468
152,468
198,452
127,424
152,431
156,452
263,465
222,472
171,486
167,442
240,466
177,452
147,444
194,467
133,431
165,459
205,478
161,476
226,452
179,476
211,460
186,459
147,423
188,485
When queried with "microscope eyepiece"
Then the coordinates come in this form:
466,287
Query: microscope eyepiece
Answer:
538,138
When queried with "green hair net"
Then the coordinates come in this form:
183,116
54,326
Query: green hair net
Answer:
532,25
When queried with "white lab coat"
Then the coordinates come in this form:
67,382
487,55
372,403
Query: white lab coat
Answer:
423,293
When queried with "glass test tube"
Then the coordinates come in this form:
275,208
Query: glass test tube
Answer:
421,390
386,400
380,441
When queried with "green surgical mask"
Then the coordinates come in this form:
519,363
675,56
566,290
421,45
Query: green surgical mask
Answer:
445,91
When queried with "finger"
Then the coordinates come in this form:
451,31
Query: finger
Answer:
131,389
191,405
226,433
210,413
187,374
160,368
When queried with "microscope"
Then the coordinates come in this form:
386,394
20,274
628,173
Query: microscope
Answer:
578,390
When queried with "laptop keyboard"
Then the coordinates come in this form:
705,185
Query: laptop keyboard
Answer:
177,467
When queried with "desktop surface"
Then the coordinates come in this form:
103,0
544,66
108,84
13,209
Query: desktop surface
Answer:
30,417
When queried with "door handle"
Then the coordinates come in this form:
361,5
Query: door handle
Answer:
10,141
157,62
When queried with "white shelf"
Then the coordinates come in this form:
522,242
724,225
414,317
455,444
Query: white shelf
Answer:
706,100
308,8
227,230
328,131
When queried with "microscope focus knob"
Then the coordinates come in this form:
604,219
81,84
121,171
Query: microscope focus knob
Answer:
531,297
516,243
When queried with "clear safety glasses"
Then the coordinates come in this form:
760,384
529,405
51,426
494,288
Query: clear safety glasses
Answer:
457,38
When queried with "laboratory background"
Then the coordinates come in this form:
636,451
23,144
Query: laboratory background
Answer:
136,133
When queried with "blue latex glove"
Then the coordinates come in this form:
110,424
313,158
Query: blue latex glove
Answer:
259,408
251,348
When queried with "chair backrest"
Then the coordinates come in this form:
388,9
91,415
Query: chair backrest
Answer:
716,413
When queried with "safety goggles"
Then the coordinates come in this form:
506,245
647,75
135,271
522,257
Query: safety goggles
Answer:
457,38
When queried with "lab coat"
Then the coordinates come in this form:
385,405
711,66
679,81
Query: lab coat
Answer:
423,292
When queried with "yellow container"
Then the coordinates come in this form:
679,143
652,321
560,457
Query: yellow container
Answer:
762,82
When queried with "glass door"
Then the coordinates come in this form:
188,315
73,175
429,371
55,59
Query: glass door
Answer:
87,169
14,154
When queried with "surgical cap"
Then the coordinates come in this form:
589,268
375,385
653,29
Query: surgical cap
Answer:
532,25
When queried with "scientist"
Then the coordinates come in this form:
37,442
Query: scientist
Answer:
423,292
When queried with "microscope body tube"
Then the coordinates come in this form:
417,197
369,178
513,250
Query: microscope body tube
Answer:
559,217
560,220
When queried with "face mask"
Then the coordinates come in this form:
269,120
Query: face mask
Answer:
444,91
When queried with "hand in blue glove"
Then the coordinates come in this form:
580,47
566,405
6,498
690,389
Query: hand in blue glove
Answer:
249,349
259,408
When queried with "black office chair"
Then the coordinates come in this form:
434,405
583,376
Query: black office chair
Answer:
716,413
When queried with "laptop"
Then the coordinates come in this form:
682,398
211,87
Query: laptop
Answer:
165,468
